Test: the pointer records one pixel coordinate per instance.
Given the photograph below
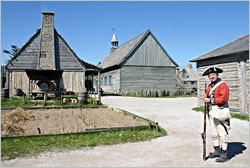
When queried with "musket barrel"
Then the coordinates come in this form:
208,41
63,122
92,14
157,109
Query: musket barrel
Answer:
204,129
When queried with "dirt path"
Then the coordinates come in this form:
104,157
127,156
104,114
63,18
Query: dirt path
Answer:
182,146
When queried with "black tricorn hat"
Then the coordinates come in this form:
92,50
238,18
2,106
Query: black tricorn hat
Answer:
212,70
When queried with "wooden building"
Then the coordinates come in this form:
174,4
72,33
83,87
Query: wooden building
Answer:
188,78
47,62
140,64
233,58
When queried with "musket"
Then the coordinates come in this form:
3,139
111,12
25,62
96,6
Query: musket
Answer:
203,135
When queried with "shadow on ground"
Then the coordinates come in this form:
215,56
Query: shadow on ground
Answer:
235,148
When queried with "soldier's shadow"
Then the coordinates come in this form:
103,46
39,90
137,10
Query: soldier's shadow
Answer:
235,148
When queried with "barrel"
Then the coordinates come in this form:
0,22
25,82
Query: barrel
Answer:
83,97
4,93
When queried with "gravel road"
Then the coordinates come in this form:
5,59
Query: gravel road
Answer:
182,146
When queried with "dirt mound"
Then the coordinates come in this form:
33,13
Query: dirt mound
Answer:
10,122
59,121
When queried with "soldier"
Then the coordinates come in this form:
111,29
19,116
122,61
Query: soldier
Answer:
216,96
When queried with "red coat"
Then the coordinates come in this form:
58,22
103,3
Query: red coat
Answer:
221,94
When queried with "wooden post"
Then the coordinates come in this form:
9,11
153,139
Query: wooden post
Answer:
98,88
83,82
243,85
7,79
59,89
29,89
92,84
24,98
45,96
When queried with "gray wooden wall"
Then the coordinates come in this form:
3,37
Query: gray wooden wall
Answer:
236,68
148,67
18,80
71,81
149,53
115,86
247,86
137,78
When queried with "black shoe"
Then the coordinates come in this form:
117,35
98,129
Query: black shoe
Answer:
223,157
216,153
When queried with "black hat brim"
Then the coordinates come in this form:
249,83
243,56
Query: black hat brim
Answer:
212,70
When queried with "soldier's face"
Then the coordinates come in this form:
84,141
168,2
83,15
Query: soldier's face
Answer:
213,77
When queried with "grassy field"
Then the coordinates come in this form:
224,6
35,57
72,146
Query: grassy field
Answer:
14,147
19,102
238,116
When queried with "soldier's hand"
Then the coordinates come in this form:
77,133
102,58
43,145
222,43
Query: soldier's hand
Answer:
205,98
204,95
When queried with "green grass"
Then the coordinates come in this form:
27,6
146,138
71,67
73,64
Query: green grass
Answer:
70,96
14,147
18,102
138,94
145,119
238,116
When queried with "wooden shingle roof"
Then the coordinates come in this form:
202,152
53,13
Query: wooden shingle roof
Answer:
27,56
236,46
117,56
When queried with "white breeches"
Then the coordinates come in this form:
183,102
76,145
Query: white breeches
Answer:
219,134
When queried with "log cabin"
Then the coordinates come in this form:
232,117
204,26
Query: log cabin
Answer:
141,64
233,59
46,63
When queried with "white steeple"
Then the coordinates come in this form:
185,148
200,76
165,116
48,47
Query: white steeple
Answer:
114,40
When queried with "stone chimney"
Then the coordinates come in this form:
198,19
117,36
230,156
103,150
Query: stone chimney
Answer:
47,45
189,66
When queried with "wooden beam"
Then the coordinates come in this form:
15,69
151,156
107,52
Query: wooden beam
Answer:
98,88
243,85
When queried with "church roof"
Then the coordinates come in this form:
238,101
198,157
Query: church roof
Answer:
118,55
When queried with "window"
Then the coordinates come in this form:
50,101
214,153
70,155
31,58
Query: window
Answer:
110,80
105,81
101,81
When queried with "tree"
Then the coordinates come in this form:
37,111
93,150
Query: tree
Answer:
12,52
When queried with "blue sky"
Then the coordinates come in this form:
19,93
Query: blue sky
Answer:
186,29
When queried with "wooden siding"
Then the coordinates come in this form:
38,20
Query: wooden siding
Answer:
137,78
73,81
247,86
65,59
149,53
232,75
115,86
19,80
27,57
